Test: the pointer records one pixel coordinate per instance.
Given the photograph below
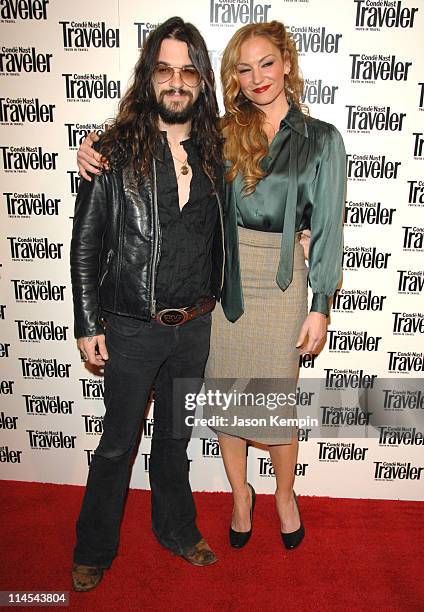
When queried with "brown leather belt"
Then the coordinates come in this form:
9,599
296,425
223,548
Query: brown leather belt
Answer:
178,316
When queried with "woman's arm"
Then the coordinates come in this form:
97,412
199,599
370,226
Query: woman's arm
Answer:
326,243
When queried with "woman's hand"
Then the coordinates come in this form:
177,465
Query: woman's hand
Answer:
312,334
305,239
88,158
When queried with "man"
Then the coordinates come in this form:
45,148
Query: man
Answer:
146,266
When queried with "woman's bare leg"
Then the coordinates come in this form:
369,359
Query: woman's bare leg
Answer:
284,458
234,454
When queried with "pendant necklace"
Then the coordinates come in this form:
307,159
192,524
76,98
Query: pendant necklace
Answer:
184,168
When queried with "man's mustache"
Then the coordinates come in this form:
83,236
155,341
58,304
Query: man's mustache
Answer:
181,92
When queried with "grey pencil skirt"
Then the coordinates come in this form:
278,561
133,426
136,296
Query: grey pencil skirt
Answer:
257,356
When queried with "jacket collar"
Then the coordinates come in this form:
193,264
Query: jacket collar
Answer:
295,119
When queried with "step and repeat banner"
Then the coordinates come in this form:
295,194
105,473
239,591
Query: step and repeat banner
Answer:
63,69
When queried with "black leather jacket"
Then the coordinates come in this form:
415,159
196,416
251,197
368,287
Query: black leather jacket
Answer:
115,248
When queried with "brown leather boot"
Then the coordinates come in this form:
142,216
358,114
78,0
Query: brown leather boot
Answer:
86,577
200,554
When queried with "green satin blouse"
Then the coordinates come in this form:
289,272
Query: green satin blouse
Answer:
304,189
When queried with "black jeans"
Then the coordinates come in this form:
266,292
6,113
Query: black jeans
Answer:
143,354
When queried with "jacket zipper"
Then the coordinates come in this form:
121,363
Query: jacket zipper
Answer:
221,220
222,241
120,243
156,244
108,259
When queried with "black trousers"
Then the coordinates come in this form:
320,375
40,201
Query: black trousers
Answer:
143,354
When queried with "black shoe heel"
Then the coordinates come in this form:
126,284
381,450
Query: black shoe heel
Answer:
238,539
293,539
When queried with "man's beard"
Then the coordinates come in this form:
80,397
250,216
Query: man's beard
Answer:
171,114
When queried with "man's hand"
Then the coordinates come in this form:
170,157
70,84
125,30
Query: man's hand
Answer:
88,158
312,333
87,347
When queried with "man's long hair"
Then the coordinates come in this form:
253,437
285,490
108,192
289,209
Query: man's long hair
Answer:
134,135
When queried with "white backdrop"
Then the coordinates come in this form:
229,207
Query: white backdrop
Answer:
63,68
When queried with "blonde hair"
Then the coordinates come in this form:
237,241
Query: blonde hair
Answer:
246,142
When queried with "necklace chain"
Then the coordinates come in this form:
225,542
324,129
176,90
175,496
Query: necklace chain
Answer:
272,127
184,170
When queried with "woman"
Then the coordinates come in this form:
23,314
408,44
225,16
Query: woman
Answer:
286,173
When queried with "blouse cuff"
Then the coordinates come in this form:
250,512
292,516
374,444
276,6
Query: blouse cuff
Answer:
320,303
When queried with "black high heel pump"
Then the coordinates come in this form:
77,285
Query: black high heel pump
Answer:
293,539
238,539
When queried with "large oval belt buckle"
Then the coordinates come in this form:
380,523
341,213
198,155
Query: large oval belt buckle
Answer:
172,316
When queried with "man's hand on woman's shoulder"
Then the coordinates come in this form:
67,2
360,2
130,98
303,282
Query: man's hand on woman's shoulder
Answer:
88,159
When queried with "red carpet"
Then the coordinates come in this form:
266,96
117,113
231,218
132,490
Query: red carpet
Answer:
357,555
